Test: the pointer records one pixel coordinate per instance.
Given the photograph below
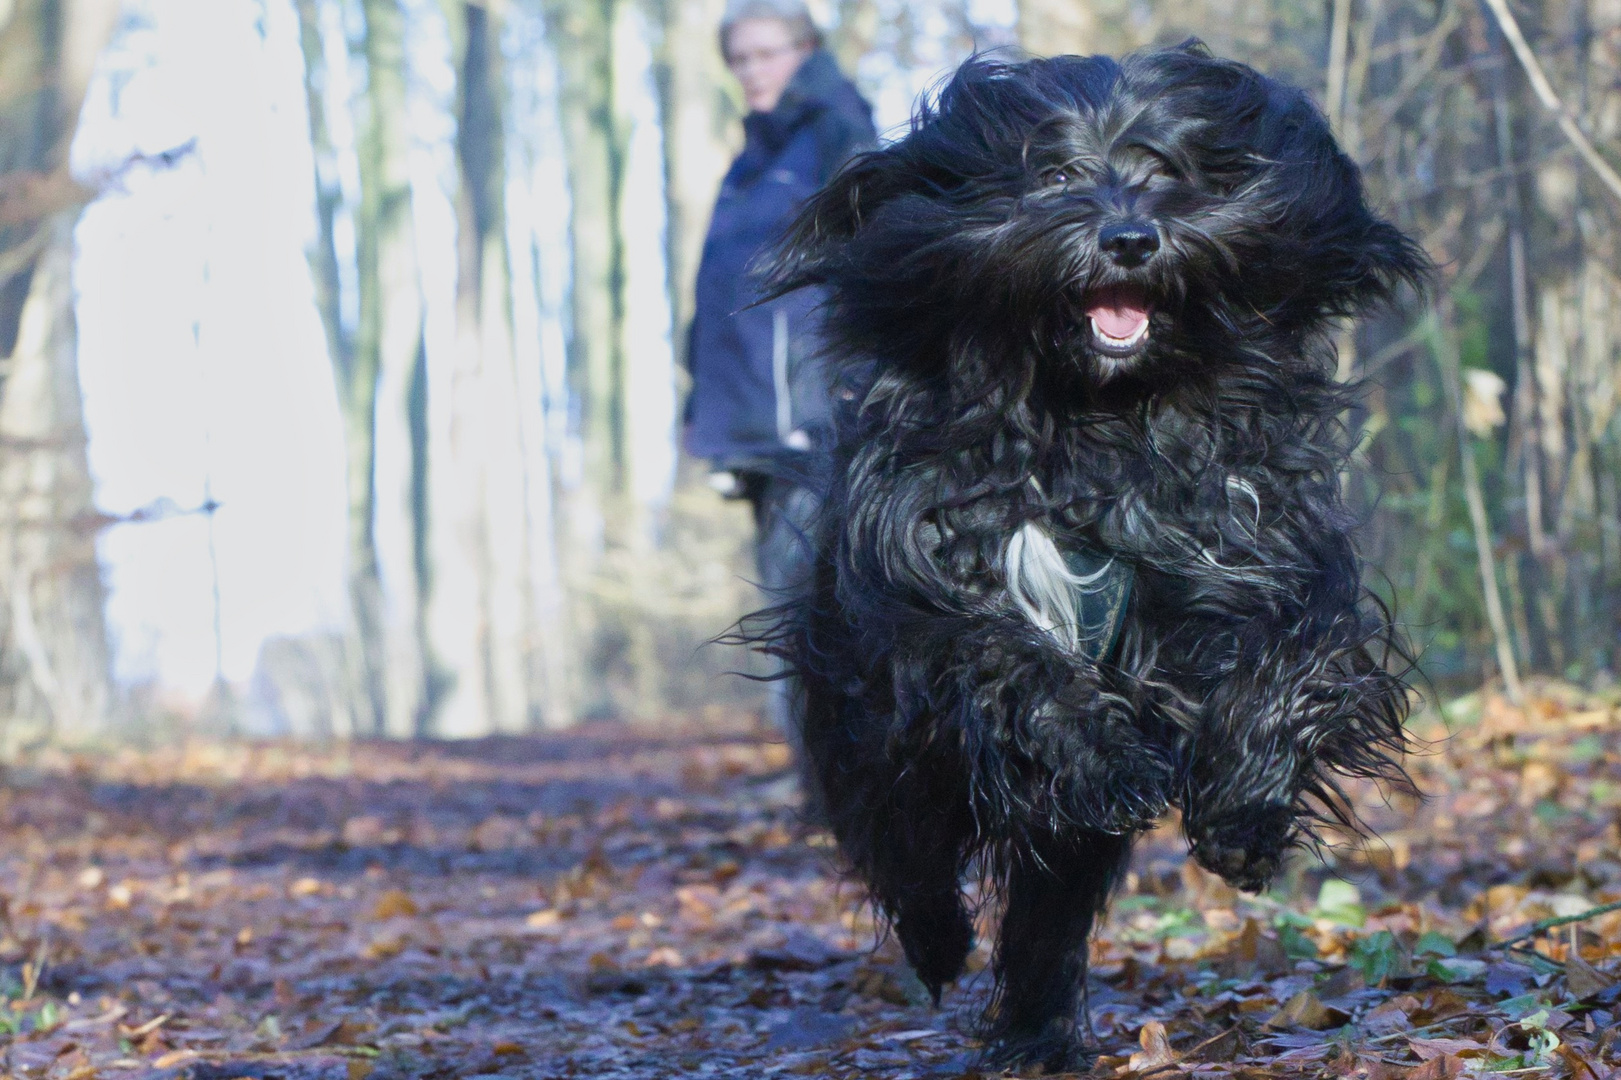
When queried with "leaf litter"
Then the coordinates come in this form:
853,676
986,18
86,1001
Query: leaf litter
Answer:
612,903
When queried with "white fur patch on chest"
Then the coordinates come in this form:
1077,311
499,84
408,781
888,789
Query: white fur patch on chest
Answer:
1043,587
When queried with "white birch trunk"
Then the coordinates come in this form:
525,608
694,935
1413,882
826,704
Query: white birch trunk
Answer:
55,678
389,348
51,579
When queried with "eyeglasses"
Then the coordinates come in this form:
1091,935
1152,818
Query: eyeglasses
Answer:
744,60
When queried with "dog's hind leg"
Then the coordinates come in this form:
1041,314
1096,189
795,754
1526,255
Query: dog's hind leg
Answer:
1056,888
902,821
918,883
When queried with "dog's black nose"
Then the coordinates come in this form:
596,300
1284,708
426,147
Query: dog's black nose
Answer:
1130,243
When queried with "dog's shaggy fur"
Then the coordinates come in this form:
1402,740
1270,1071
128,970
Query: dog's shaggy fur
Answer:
1079,325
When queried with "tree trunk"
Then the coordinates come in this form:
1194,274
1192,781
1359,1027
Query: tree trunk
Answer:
54,667
699,122
495,616
582,34
380,375
598,510
364,698
52,581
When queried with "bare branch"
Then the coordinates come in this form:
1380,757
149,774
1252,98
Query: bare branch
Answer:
1550,100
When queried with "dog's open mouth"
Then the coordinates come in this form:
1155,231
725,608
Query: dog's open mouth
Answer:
1119,317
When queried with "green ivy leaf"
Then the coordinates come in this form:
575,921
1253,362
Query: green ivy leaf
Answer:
1456,969
1296,946
1378,956
1341,902
1435,943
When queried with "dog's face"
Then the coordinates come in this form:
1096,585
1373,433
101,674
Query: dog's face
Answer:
1114,218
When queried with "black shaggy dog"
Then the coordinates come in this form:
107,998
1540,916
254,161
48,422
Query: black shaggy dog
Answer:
1083,554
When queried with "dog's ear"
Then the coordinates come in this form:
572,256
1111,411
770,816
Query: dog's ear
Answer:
811,248
824,224
1345,256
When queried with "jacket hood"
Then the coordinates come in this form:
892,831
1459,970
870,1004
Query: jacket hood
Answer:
816,87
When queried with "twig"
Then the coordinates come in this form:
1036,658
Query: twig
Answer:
32,972
1536,958
1563,920
1550,100
1446,350
1415,1031
1338,48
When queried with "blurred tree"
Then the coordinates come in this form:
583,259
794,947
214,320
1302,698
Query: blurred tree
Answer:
494,609
582,34
608,554
380,370
364,694
701,130
1055,27
54,673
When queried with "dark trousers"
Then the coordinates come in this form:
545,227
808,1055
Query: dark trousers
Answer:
784,517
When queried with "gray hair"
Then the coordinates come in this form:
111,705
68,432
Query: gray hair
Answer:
793,13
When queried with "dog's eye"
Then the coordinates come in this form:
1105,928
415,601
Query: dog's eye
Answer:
1058,178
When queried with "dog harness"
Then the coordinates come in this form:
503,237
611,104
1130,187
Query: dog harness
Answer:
1071,592
1100,603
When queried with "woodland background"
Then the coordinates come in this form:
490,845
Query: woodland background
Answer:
522,548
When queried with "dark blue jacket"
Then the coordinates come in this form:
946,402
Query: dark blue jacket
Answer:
754,377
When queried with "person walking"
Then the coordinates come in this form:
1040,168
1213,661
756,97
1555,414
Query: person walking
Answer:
758,410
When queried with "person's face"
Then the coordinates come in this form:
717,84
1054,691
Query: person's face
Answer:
763,55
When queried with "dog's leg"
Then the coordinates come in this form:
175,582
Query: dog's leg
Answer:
1108,775
903,821
1291,718
919,887
1056,888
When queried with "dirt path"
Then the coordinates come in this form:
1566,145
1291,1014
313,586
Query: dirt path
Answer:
609,904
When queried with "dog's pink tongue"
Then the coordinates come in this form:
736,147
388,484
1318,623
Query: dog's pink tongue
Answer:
1118,313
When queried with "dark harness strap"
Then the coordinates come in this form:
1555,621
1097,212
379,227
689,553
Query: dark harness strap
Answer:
1100,605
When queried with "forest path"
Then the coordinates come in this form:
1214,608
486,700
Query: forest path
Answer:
610,903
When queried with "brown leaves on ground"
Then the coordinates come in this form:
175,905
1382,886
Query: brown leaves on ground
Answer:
604,903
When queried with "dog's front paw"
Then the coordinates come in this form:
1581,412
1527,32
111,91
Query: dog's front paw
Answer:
1117,781
1244,848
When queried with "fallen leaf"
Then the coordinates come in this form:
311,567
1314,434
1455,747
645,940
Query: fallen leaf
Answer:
1427,1049
315,1033
1583,980
1307,1010
385,948
173,1058
1508,979
351,1033
1441,1067
144,1029
799,952
394,904
1156,1049
1253,952
806,1027
1390,1016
